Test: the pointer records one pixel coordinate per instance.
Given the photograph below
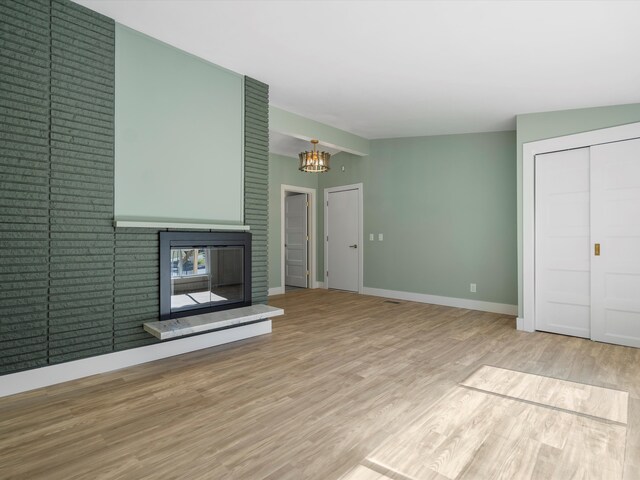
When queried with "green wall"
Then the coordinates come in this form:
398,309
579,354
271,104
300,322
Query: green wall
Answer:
445,204
543,125
25,102
71,285
57,251
256,183
446,207
282,171
179,134
449,206
354,168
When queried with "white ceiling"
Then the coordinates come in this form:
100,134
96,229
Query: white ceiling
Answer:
407,68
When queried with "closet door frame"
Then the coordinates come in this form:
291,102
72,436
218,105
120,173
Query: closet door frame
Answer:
526,311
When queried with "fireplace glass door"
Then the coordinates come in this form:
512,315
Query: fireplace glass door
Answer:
206,276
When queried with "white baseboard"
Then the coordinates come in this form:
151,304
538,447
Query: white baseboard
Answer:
501,308
280,290
64,372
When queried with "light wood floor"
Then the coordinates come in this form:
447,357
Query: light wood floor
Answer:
603,403
470,434
332,393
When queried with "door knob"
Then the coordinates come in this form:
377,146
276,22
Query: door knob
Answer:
597,250
353,246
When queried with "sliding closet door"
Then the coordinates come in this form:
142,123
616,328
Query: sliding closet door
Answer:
563,243
615,225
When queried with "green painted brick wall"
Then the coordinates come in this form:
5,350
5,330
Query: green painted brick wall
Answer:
81,236
71,285
24,183
256,181
136,300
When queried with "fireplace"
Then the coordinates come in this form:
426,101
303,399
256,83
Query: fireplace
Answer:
203,272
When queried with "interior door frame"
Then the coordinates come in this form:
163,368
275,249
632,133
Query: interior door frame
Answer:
311,230
526,321
342,188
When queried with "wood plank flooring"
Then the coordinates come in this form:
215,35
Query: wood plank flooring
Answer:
469,435
340,377
598,402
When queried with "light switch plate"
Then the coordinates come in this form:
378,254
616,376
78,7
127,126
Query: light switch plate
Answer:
371,237
380,237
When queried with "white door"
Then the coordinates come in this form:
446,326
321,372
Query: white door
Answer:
615,226
296,241
562,278
343,217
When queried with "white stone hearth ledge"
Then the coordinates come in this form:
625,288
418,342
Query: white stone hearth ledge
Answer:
179,327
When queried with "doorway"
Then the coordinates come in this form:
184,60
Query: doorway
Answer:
343,228
296,240
297,234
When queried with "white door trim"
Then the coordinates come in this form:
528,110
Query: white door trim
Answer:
311,215
296,223
529,152
342,188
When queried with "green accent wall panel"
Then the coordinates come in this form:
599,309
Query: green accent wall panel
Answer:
24,188
71,285
82,240
178,119
256,181
137,273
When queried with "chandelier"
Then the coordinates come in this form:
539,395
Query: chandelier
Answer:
314,161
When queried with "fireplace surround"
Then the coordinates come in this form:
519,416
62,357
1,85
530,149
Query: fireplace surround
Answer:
204,272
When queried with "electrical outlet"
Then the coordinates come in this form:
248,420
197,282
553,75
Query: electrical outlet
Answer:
371,237
472,288
380,237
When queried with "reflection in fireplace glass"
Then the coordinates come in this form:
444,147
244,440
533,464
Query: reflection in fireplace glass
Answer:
205,276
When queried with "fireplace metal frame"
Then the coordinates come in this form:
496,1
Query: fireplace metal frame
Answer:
201,239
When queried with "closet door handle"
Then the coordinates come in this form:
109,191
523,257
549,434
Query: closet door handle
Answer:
597,250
